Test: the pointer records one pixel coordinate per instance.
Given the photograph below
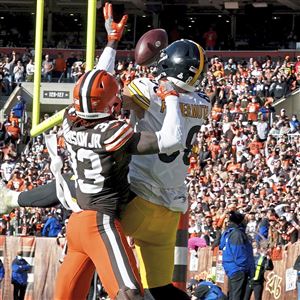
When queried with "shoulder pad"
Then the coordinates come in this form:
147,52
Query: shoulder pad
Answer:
140,90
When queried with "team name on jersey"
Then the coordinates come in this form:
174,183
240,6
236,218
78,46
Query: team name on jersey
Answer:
83,139
193,110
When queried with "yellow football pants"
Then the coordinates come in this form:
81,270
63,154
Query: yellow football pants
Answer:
153,228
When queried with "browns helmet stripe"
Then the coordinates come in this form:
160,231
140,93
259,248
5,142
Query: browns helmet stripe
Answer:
201,64
91,85
80,89
86,90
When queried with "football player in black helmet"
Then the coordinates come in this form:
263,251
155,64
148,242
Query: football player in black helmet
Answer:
183,63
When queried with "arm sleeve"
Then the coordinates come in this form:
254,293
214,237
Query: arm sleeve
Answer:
107,60
168,140
170,137
44,195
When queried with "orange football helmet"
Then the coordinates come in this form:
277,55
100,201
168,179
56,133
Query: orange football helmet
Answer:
95,95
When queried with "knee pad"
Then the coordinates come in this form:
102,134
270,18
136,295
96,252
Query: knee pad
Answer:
129,294
168,292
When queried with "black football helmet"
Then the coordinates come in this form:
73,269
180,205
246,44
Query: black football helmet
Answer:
182,62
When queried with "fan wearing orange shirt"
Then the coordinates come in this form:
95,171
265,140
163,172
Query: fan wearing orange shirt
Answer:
255,146
252,109
60,65
214,149
232,165
216,112
12,118
16,182
13,131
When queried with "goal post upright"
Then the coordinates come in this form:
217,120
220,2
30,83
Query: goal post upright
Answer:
38,128
38,48
91,34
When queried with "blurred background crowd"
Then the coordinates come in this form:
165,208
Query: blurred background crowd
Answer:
246,155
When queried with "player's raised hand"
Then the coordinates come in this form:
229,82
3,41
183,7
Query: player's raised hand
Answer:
114,30
165,89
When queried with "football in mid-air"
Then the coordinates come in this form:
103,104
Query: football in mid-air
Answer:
149,46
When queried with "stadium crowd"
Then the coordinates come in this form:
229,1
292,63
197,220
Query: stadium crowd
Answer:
245,156
275,77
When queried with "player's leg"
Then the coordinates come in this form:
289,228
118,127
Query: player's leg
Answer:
106,245
76,272
154,229
74,277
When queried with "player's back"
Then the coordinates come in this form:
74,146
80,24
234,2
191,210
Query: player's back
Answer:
100,166
160,178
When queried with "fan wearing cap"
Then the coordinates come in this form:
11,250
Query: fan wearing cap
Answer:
237,256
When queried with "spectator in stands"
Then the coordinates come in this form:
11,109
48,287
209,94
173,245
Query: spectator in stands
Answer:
19,107
294,124
16,182
52,226
60,67
8,68
77,70
30,70
15,222
47,68
19,276
19,72
262,128
69,63
252,110
210,38
279,87
13,132
38,146
2,132
287,232
36,224
7,168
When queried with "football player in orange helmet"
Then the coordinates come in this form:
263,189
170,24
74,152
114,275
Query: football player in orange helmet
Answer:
101,147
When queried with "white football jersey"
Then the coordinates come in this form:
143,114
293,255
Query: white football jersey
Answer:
159,178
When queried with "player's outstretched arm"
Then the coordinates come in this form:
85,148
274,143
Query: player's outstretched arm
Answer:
114,34
41,196
170,138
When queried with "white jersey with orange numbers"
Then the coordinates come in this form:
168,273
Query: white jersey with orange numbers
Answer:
159,178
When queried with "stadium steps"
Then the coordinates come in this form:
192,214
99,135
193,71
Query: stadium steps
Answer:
290,103
54,96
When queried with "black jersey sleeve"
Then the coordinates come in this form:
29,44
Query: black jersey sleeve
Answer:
45,195
142,143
